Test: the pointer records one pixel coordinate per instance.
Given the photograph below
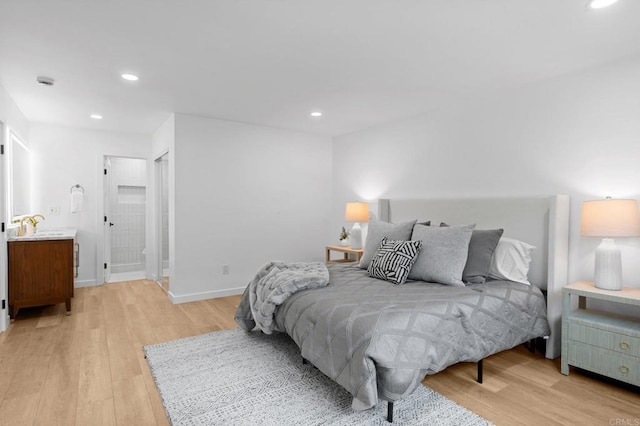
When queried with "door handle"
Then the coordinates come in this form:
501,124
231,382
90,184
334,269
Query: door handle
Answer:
110,223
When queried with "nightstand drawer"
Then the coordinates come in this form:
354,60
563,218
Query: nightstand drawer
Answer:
602,361
608,338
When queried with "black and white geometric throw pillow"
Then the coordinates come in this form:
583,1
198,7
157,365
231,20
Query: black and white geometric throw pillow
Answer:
393,260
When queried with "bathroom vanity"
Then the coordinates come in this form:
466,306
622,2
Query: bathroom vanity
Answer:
41,269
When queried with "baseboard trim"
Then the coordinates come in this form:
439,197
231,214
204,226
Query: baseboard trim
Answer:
194,297
85,283
128,276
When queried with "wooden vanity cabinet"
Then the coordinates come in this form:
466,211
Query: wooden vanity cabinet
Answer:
40,273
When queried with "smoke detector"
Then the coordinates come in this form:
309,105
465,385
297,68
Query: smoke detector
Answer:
47,81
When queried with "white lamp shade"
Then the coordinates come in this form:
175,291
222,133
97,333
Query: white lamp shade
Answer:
357,212
610,218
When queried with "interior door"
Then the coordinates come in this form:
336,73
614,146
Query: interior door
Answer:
107,220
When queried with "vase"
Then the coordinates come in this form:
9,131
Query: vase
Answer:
344,242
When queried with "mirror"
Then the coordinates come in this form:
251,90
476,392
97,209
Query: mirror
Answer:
19,177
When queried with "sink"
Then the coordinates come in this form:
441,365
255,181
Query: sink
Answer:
42,235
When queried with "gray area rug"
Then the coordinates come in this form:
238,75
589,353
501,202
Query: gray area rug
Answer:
237,378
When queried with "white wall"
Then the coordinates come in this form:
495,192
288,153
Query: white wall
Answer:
244,195
12,117
578,135
65,156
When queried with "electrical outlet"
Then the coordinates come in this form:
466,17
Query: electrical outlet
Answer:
54,210
225,269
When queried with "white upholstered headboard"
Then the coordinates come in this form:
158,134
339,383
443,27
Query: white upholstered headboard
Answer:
542,222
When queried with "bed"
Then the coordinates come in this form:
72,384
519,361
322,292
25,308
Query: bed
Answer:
378,340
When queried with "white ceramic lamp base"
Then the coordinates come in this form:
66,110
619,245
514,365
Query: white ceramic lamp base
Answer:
356,236
608,271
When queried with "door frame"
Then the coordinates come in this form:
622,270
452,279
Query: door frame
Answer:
4,264
106,229
101,213
158,274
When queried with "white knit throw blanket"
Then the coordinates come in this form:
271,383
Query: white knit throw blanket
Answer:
275,282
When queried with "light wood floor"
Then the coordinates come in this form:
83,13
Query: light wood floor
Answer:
89,369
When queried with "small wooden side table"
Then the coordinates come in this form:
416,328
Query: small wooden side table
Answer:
346,252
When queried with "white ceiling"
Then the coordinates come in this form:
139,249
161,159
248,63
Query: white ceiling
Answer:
271,62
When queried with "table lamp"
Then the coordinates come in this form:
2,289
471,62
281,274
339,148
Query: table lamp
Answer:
356,212
609,218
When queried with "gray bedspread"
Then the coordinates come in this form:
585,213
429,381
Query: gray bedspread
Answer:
271,286
379,340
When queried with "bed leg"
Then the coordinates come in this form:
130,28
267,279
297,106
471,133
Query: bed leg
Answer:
532,345
304,361
479,379
390,412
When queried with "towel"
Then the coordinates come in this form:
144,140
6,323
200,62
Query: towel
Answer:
76,200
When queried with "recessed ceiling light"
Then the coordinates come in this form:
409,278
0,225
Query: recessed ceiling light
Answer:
599,4
316,114
96,116
130,77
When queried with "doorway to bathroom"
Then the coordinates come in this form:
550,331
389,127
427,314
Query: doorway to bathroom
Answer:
125,204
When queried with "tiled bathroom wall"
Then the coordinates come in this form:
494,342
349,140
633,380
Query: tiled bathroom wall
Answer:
128,206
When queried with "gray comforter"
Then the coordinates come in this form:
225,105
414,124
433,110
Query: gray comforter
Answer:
272,285
379,340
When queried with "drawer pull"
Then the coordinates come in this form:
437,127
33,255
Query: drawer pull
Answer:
624,369
624,346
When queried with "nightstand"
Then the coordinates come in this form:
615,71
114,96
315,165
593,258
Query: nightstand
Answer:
346,252
601,342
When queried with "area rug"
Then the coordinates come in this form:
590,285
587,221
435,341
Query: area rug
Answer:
237,378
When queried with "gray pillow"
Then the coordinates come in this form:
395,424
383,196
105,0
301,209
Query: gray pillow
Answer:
481,247
443,255
377,231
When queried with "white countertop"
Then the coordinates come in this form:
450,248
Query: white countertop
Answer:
47,234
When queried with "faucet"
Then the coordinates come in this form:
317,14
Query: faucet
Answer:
21,227
34,221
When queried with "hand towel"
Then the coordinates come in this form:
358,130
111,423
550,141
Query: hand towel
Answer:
76,200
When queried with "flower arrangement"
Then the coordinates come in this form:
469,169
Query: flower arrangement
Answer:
33,219
344,234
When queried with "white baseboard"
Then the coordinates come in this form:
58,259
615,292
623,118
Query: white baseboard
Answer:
85,283
128,276
194,297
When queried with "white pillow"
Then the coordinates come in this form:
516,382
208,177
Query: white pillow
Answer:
511,260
